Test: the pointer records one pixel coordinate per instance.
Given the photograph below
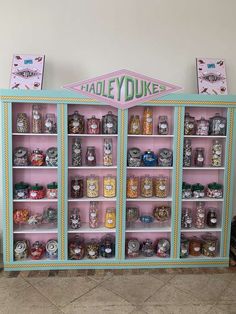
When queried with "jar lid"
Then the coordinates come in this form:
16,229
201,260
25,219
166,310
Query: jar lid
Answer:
209,237
90,147
197,186
52,185
36,187
110,210
186,185
215,186
21,185
37,151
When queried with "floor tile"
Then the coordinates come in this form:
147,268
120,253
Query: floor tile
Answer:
163,277
12,284
135,289
112,309
177,309
223,309
229,295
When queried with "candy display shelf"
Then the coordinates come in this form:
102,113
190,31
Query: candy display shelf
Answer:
63,104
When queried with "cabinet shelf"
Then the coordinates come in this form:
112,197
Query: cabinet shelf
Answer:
93,135
206,229
150,168
29,200
206,136
149,136
149,199
205,199
152,227
27,229
94,199
34,134
91,168
85,229
203,168
34,167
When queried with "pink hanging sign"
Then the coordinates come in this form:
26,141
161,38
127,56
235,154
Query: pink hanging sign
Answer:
123,89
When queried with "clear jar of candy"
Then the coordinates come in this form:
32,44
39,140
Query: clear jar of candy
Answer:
36,192
146,186
50,123
52,249
189,124
109,186
92,249
187,158
132,215
92,186
93,215
93,125
90,158
163,248
20,157
37,158
148,121
198,190
147,248
51,157
212,218
186,190
77,187
37,250
133,248
162,213
109,123
76,123
37,119
74,219
200,215
163,127
199,157
51,191
218,125
107,152
149,158
107,246
216,156
187,219
202,127
21,216
165,157
21,190
209,245
76,248
161,186
134,157
134,125
215,190
132,187
22,123
195,246
76,153
110,218
184,247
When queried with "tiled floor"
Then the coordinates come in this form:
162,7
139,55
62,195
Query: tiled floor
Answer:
138,292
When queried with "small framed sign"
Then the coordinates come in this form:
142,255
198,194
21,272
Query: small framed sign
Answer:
27,72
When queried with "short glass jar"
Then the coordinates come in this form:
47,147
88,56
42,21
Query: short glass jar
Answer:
37,119
93,125
189,125
76,152
50,215
90,158
132,187
184,247
147,248
107,152
107,246
50,123
187,158
21,190
195,246
218,125
162,213
134,125
52,249
199,157
92,249
146,186
209,245
186,190
186,219
160,186
21,216
37,158
211,218
21,249
37,250
134,157
202,127
92,186
132,215
110,218
109,123
215,190
36,192
76,248
149,158
22,123
198,190
51,157
163,248
76,123
165,157
51,192
133,248
200,218
162,126
109,186
77,187
216,157
147,121
20,157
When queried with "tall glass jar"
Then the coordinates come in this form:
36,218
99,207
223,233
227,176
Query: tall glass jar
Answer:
189,124
212,218
92,186
163,127
90,158
209,245
161,187
163,248
132,215
110,218
93,215
147,121
184,247
186,221
132,187
76,123
107,246
218,125
109,186
76,248
199,157
93,125
50,124
200,215
92,249
134,125
22,123
147,248
109,123
187,158
216,157
75,220
51,157
77,187
76,153
146,186
37,119
202,127
107,152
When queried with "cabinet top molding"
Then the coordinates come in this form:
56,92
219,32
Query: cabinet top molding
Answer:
123,89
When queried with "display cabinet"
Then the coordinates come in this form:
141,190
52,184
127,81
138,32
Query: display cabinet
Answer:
87,185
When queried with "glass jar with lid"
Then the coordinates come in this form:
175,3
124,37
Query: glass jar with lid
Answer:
133,248
21,190
90,158
198,190
163,248
132,215
50,215
163,127
76,248
134,125
37,158
20,157
107,152
21,216
93,215
109,186
186,219
148,121
93,125
149,158
134,157
51,157
36,192
77,187
52,249
209,245
187,158
218,125
212,218
109,123
216,156
195,246
107,246
37,250
186,190
184,247
92,249
76,123
162,213
110,218
161,186
200,215
199,157
50,123
74,219
165,157
147,248
92,186
132,187
37,119
189,124
22,123
215,190
76,152
202,127
51,190
21,249
146,186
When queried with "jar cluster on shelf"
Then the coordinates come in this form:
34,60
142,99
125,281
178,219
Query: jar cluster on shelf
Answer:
197,190
23,250
148,248
36,158
144,125
91,187
77,125
39,123
216,125
164,158
205,245
23,217
23,190
79,248
147,186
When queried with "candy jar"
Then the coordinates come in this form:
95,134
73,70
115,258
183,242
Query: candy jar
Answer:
161,213
215,190
135,125
76,124
202,127
211,218
109,186
162,127
199,157
50,124
200,215
92,249
186,190
134,157
218,125
21,190
37,119
133,248
74,219
189,124
161,186
195,245
187,158
21,250
22,123
51,192
107,152
92,186
149,158
93,215
186,219
165,157
90,158
21,216
147,248
146,219
109,123
163,248
184,247
110,218
209,245
37,250
77,187
50,215
132,187
216,157
36,192
52,249
132,215
147,121
198,190
93,125
20,157
51,157
107,246
76,249
37,158
76,152
35,219
146,186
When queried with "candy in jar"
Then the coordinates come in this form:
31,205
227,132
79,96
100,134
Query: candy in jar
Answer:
146,186
161,186
92,186
132,215
21,190
74,220
22,123
147,121
199,157
147,248
186,219
37,250
202,127
187,158
135,125
52,249
35,219
37,119
107,152
50,124
77,187
20,157
218,125
195,245
76,153
161,213
133,248
189,124
209,245
109,186
186,190
165,157
50,215
162,127
216,157
36,192
198,190
134,157
212,218
93,125
107,246
163,248
215,190
76,124
149,158
93,215
90,158
200,215
76,248
109,123
110,218
51,190
132,187
184,247
51,157
21,249
20,216
92,249
37,158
